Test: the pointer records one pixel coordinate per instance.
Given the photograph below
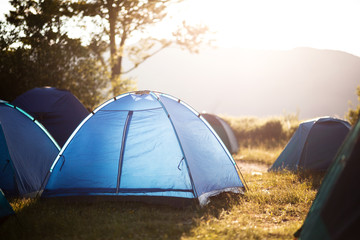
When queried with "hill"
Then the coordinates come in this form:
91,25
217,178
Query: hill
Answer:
260,83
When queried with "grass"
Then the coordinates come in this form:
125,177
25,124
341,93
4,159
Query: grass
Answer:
273,208
261,140
259,155
268,133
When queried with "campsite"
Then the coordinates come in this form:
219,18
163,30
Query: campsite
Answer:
274,207
179,119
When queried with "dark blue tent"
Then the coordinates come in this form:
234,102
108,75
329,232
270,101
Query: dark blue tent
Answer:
144,144
58,110
26,152
313,145
5,208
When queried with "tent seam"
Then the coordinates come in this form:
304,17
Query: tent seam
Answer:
122,150
241,177
178,139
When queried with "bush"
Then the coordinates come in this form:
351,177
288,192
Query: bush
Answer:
271,131
353,114
263,132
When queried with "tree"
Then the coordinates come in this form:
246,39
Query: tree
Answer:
35,51
353,114
42,53
121,20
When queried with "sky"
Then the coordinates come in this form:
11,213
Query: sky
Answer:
271,24
278,24
252,25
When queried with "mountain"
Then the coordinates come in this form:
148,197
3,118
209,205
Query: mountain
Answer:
240,82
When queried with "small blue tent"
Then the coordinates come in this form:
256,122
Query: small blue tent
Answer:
144,144
59,111
26,152
313,145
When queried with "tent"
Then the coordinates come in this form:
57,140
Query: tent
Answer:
224,131
58,110
26,152
335,212
313,146
146,145
5,208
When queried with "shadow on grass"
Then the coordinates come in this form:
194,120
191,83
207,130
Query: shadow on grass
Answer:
314,177
222,202
101,219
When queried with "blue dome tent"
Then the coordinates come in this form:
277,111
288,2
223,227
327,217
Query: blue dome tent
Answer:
58,110
313,145
144,144
26,152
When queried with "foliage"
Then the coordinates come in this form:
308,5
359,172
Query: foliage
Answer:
353,114
23,69
122,20
261,140
39,35
35,52
268,133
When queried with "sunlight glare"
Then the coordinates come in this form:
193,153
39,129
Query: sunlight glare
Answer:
276,24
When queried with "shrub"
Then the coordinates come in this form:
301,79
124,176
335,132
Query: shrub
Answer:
353,114
263,132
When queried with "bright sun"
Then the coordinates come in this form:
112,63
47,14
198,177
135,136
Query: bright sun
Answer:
275,24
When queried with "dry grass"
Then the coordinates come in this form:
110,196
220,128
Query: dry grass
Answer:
274,208
259,155
270,133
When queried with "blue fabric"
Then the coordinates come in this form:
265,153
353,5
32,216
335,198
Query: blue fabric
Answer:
323,142
313,145
5,207
142,145
158,163
149,138
289,158
91,159
6,166
131,102
58,110
211,167
29,149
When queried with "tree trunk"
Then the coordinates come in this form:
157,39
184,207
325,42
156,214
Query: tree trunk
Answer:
115,73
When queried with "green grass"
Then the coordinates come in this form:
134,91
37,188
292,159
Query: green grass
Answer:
274,208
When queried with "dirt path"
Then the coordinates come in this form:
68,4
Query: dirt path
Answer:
246,167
